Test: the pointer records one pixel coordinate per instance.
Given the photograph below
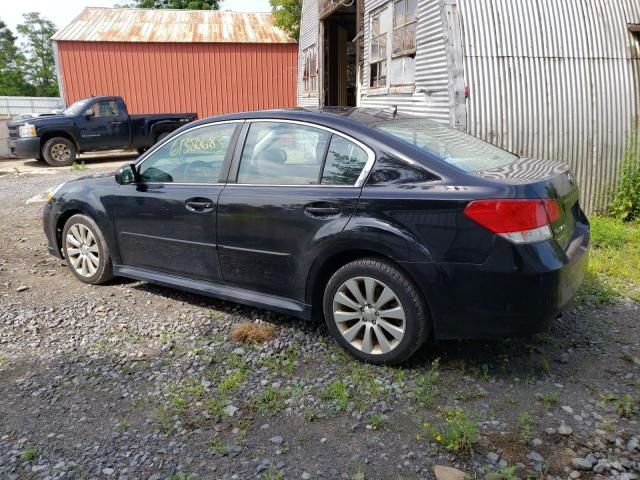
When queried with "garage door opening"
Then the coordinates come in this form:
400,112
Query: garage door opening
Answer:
339,82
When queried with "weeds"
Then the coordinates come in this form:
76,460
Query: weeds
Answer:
164,421
525,425
425,389
251,332
78,167
549,399
624,406
377,422
269,402
503,473
337,393
310,414
232,382
29,454
625,205
218,446
458,433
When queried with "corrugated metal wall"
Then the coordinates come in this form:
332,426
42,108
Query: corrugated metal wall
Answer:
11,106
208,79
431,95
309,31
555,80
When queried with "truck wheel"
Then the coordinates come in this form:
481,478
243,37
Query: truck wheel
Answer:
59,152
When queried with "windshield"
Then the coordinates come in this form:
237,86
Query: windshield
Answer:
455,147
76,108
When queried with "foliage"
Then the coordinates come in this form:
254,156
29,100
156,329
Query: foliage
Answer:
338,393
503,473
614,262
626,201
12,81
526,424
39,65
425,389
286,16
177,4
458,433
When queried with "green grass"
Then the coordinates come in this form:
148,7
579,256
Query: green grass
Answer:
29,454
337,393
525,425
232,382
425,389
614,263
458,433
270,402
550,399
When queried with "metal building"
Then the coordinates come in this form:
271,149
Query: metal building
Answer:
208,62
547,79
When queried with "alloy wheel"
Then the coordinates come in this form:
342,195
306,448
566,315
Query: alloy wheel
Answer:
369,315
60,152
82,250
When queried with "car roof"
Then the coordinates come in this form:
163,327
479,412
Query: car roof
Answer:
336,116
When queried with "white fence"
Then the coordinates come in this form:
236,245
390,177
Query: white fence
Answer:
12,106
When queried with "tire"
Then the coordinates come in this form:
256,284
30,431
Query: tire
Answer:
59,152
375,279
74,237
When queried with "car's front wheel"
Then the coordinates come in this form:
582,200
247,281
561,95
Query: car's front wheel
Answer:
86,251
375,312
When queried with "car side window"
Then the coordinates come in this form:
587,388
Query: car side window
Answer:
106,109
277,153
196,156
344,164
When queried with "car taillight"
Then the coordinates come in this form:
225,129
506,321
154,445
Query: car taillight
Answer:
520,221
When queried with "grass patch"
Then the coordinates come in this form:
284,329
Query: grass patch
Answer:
29,454
550,399
425,389
250,332
377,422
337,393
525,425
614,262
283,362
269,402
232,382
458,432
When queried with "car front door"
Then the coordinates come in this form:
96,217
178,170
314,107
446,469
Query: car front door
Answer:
106,128
284,203
166,221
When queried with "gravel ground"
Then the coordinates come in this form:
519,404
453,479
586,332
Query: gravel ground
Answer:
130,380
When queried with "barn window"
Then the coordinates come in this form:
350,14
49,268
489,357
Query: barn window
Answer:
404,42
378,54
310,72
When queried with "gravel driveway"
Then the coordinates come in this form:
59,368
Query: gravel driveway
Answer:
130,380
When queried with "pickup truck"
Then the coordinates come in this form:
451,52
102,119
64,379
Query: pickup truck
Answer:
90,125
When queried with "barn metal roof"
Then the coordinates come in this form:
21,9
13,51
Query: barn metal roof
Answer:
171,26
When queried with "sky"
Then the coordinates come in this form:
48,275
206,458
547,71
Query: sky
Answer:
61,12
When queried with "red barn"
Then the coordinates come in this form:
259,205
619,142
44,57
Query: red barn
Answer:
208,62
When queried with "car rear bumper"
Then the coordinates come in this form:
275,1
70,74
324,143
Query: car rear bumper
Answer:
25,147
519,296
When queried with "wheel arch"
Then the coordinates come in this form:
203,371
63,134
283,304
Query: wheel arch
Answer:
45,137
61,222
326,265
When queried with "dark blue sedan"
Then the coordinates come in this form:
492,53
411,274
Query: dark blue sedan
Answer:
393,228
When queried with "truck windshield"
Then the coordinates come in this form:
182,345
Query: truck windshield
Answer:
76,108
455,147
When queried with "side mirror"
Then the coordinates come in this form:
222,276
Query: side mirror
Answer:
127,174
88,113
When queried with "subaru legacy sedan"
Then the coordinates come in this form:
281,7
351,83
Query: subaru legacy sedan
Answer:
393,228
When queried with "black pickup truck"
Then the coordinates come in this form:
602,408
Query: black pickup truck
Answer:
89,125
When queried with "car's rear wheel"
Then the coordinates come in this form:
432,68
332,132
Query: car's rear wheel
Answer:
85,250
375,312
59,152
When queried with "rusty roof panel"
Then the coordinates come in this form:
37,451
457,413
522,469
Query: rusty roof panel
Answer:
171,26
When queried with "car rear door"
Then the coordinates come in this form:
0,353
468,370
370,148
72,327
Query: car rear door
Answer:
166,222
292,189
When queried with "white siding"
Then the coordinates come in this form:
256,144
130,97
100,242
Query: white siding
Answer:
309,30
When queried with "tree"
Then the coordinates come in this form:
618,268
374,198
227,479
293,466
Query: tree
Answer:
286,15
178,4
12,81
39,66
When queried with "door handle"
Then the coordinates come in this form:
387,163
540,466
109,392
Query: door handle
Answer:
199,206
116,123
322,210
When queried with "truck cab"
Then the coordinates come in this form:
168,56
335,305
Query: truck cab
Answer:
89,125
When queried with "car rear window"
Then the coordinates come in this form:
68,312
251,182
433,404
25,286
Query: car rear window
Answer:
455,147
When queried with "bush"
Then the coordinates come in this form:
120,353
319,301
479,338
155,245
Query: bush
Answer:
625,205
